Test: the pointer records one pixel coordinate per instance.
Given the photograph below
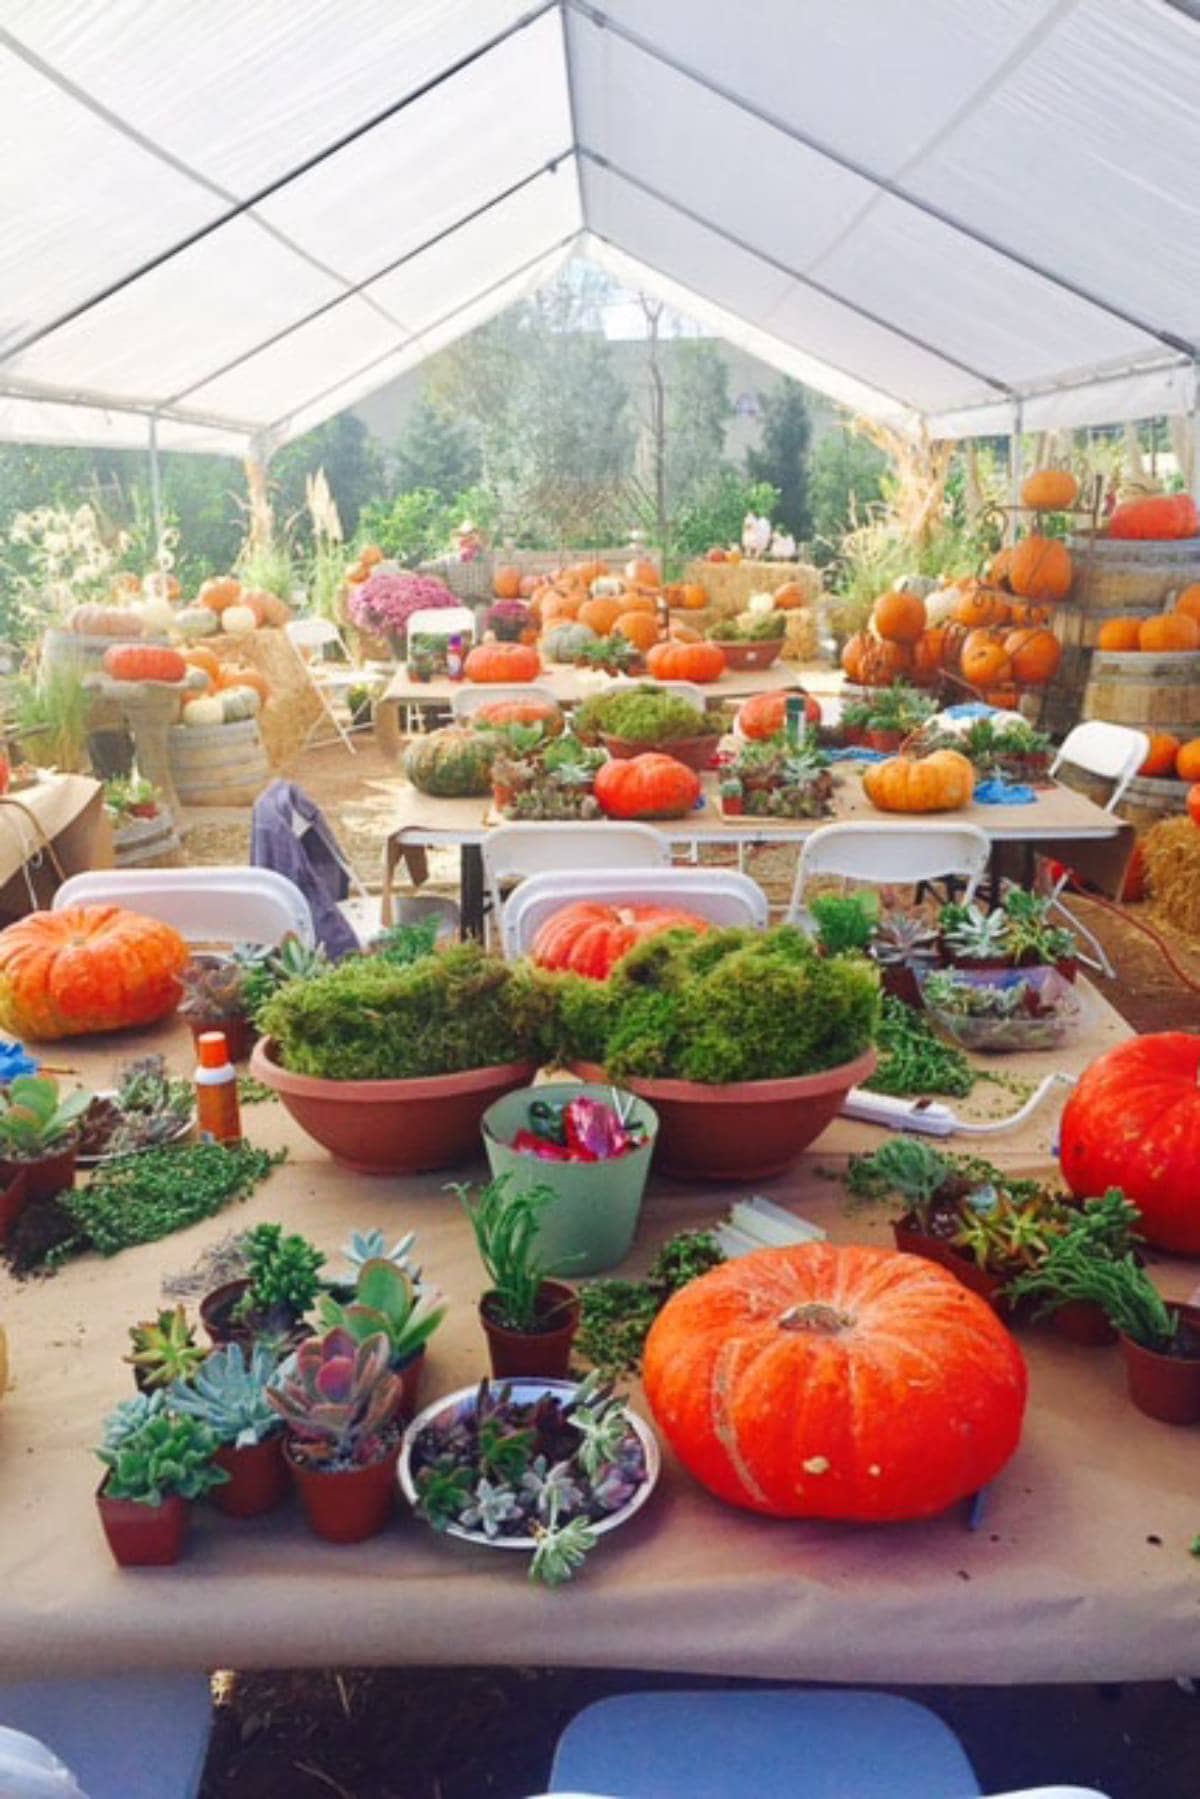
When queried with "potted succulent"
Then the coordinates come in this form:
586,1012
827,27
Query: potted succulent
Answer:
39,1137
1010,748
389,1300
1003,1010
1062,1283
529,1321
165,1350
270,1300
733,796
228,1395
339,1401
744,1042
214,999
1016,934
541,777
752,639
851,729
636,720
903,945
391,1066
779,781
895,713
614,655
157,1462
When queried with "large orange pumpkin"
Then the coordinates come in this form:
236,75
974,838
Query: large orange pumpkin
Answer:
984,660
939,783
1169,632
220,591
1120,634
1040,569
765,714
1187,760
502,662
638,628
144,662
1050,490
506,582
1160,760
589,937
1163,516
1035,654
1189,601
87,969
600,615
831,1381
700,662
1134,1122
899,617
649,786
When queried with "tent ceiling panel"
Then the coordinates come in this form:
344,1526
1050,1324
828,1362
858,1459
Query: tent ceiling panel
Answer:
57,422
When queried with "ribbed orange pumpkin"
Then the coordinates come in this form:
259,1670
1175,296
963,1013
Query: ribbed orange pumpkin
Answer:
499,713
638,628
1040,569
790,596
1170,632
831,1381
144,662
502,662
1120,634
984,661
600,615
765,714
1159,516
1160,760
979,605
87,969
1050,490
700,662
1187,760
589,937
899,617
939,783
1035,654
1189,601
649,786
219,592
506,582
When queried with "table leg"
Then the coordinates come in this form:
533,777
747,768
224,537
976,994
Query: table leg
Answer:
470,890
387,729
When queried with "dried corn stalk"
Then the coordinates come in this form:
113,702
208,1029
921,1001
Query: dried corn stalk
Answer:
917,498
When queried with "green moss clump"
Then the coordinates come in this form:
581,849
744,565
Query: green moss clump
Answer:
367,1019
733,1005
642,714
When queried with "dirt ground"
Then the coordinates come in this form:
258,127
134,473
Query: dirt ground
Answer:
462,1733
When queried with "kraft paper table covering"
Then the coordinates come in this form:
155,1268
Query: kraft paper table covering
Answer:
70,812
1060,1582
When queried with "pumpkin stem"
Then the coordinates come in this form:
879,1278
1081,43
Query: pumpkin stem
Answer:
815,1317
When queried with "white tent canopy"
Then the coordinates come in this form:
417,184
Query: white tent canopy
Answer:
228,221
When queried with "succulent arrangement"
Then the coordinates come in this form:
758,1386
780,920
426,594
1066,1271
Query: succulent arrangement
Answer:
164,1350
1006,1010
338,1399
149,1107
540,778
228,1395
769,778
1008,748
546,1470
388,1301
1017,933
152,1453
35,1122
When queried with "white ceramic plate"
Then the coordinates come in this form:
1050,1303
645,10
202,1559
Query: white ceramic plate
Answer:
184,1126
524,1392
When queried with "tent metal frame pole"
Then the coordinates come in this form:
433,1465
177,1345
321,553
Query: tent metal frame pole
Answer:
602,21
156,498
1016,466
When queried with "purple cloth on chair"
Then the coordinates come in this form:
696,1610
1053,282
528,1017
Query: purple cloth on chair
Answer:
289,833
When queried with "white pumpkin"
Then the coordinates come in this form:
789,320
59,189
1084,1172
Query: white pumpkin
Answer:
939,607
238,620
921,585
607,587
759,603
205,711
197,621
238,703
157,614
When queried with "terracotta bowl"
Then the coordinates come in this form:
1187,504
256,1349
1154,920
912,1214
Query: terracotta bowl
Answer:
747,1130
753,655
391,1127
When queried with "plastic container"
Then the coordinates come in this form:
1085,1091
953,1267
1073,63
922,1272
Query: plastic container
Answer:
218,1113
1022,1030
592,1223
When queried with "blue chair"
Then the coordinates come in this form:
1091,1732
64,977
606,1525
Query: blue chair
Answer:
126,1736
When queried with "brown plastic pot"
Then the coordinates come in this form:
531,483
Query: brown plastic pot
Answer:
144,1536
13,1197
391,1127
347,1505
410,1373
745,1130
545,1353
967,1272
1166,1387
753,655
44,1179
900,980
258,1478
694,752
216,1310
886,742
240,1034
1085,1322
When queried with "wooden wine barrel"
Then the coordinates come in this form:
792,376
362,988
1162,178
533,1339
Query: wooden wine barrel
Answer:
1146,801
1113,579
218,765
1151,691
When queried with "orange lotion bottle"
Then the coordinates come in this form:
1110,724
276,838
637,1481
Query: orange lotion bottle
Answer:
217,1108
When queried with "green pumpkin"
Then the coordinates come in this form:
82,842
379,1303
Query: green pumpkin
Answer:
238,703
197,621
567,642
452,764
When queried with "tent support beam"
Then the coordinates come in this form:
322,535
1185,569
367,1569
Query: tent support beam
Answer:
1016,466
602,21
792,274
1195,423
102,402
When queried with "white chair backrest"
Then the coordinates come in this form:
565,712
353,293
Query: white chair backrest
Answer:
28,1770
883,853
442,621
720,894
690,691
514,851
308,634
1113,752
205,905
467,700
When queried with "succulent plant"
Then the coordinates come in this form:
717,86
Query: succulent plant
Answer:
387,1299
163,1455
904,939
214,989
129,1415
165,1349
267,968
1031,936
228,1394
34,1122
283,1272
975,935
337,1398
371,1246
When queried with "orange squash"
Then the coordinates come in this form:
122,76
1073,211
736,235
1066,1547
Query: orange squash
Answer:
1035,654
790,596
984,661
144,662
640,573
1189,601
1040,569
1187,760
765,714
638,628
701,662
927,654
1120,634
834,1381
853,657
647,786
1160,761
1050,490
506,582
941,782
502,662
589,937
1169,632
221,591
87,969
600,615
899,617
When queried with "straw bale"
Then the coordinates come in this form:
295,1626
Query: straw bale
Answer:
293,708
1172,852
730,584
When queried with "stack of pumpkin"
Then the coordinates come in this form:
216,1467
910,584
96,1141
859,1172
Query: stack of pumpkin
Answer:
1176,631
223,604
229,692
577,607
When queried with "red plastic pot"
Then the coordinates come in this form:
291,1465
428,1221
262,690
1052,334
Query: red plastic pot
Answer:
44,1179
391,1127
410,1373
1083,1321
745,1130
1166,1387
545,1354
887,742
694,752
258,1478
144,1536
347,1505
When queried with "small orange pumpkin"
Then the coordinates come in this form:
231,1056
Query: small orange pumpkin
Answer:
502,662
853,654
1187,761
692,596
638,628
790,596
600,615
640,573
984,661
1024,612
506,582
928,653
941,782
1160,761
1040,569
979,605
220,591
1170,632
699,662
1193,804
1120,634
1035,654
884,663
899,617
1189,601
370,556
1050,490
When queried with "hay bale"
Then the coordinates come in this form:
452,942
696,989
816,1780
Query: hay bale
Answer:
293,708
1172,853
730,584
801,641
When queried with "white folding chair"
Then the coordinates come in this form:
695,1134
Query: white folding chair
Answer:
881,853
442,621
468,700
310,637
511,852
720,894
205,905
1110,753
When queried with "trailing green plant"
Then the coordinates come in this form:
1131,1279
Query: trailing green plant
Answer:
913,1060
505,1222
643,714
616,1315
1071,1270
368,1019
337,1398
845,922
732,1005
155,1454
284,1273
228,1394
164,1349
387,1299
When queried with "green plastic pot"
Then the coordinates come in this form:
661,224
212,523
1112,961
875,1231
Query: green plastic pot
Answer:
591,1225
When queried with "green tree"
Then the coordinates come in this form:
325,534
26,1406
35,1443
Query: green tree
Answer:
782,457
846,480
435,450
413,527
698,413
714,513
353,464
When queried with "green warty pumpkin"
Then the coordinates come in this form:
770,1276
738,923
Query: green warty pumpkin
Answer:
452,764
